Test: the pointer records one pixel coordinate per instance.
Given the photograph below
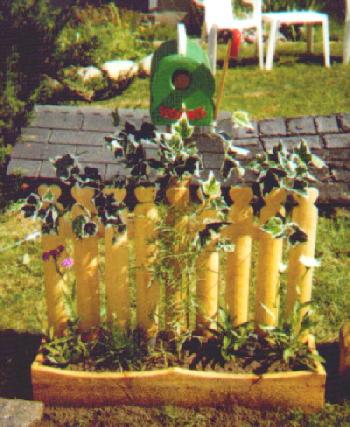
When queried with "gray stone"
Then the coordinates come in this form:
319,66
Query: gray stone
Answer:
95,155
22,167
136,117
225,125
248,143
99,121
77,138
56,108
209,143
334,193
341,175
273,127
339,164
20,413
58,120
344,120
337,141
47,170
114,169
301,125
313,141
243,133
28,150
336,154
31,134
212,161
50,151
326,124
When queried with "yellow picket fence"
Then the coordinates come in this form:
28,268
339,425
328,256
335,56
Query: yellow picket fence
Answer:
141,228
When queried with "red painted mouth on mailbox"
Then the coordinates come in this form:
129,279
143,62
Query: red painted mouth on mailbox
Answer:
173,114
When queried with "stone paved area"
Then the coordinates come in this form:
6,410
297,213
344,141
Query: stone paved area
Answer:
56,130
20,413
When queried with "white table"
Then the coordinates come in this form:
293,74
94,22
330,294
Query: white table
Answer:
275,20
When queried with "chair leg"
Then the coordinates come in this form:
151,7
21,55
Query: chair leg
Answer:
346,43
310,39
212,48
260,45
326,49
271,44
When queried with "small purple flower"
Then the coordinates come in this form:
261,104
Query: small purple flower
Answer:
46,256
67,262
60,249
53,253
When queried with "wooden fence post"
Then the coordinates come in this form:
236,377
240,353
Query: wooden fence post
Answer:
117,269
207,288
86,264
147,292
299,285
239,261
269,260
176,297
54,283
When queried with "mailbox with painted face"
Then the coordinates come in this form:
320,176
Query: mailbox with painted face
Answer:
181,80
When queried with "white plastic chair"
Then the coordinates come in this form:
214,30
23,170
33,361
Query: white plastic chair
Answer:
218,15
346,41
276,19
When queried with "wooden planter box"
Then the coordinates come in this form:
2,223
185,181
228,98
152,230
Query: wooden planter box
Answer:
177,386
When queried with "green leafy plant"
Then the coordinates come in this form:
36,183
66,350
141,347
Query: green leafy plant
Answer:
257,348
97,349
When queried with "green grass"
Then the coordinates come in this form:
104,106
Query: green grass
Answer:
297,85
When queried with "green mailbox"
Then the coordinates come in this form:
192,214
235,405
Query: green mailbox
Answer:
181,81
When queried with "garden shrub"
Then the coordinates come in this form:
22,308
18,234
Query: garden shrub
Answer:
29,29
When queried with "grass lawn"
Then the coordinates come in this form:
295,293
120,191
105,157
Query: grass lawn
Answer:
298,85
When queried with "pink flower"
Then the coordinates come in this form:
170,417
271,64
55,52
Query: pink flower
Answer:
67,262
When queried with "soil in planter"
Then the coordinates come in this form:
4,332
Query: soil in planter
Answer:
104,350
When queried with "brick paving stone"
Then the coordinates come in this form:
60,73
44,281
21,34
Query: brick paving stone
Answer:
51,151
313,141
344,120
95,154
224,125
341,175
99,121
31,134
28,150
56,108
337,141
326,124
337,194
20,413
273,127
248,143
212,161
58,120
71,137
244,133
136,117
47,170
209,143
301,125
336,154
23,167
113,169
339,164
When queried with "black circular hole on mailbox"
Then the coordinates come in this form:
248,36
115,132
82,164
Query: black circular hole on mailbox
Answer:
181,79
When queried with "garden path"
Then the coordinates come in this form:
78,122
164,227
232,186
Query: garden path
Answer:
57,130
